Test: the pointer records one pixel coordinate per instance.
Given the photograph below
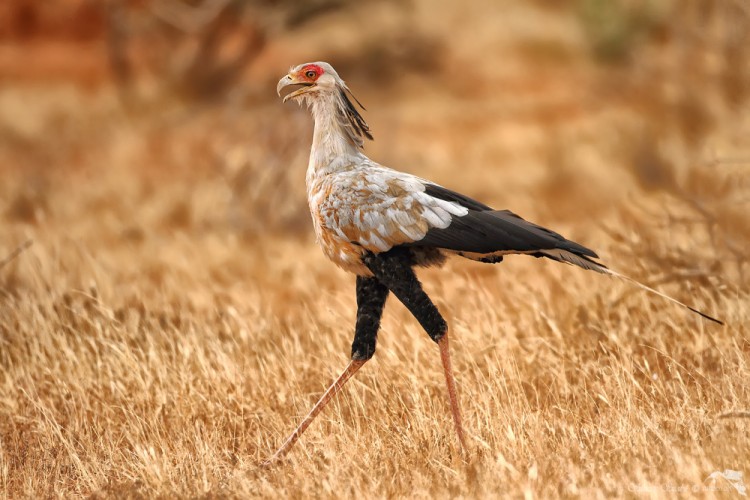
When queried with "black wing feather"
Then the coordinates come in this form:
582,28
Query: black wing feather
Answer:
484,230
446,194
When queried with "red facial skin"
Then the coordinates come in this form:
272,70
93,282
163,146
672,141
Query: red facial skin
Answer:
314,68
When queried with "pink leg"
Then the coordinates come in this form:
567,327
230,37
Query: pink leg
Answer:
335,387
445,356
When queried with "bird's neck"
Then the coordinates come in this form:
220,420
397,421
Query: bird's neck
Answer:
333,141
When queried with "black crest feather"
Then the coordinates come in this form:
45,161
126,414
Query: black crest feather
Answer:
354,119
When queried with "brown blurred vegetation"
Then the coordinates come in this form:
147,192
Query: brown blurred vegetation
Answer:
173,316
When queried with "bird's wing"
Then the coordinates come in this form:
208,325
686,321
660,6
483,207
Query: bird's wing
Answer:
378,208
483,230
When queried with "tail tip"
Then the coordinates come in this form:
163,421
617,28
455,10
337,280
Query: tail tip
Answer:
710,318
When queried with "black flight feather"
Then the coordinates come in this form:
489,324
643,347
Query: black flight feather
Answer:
484,230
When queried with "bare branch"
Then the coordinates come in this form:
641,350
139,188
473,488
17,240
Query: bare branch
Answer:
117,39
735,414
189,19
15,253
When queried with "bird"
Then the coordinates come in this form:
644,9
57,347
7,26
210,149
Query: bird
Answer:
380,224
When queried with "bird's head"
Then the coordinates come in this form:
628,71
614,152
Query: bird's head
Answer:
310,80
319,82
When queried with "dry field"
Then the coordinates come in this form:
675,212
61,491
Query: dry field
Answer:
173,319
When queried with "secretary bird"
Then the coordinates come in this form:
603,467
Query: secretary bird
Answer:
379,224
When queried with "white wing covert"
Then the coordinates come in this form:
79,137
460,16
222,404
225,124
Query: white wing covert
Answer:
379,208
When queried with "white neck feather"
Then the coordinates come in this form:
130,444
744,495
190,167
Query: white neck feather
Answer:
330,137
338,136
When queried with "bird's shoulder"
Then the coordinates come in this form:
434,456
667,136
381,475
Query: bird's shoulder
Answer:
373,186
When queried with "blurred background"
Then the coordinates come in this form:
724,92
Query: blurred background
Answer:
173,283
124,122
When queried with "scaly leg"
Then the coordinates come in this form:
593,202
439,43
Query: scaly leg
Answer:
335,387
450,382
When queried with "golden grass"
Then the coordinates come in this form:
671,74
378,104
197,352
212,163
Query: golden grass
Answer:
173,319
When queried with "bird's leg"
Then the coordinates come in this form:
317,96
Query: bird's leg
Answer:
371,296
394,270
450,382
335,387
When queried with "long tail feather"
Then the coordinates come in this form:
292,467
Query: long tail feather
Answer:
660,294
586,263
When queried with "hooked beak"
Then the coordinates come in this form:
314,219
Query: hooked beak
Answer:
290,80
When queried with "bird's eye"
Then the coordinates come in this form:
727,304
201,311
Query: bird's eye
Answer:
311,74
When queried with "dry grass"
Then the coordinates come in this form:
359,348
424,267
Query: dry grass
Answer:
173,319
